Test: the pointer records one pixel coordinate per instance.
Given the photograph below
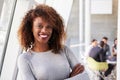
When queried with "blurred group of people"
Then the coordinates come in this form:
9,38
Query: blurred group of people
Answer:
101,52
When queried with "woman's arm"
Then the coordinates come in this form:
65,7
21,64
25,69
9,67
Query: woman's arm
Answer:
76,70
24,68
74,63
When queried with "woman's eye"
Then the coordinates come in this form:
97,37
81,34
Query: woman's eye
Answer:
49,27
40,26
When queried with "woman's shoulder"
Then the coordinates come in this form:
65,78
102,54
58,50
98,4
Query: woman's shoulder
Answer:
67,50
23,59
65,47
24,56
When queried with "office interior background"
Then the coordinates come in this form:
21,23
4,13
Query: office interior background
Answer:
84,20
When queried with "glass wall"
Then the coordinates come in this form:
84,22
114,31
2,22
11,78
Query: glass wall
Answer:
11,16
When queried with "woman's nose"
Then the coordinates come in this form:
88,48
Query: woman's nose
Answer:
43,29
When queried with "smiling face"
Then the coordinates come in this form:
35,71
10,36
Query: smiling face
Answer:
42,31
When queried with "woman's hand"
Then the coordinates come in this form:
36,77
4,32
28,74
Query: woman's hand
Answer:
76,70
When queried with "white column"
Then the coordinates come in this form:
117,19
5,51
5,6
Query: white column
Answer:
63,10
12,48
87,22
40,1
81,27
118,46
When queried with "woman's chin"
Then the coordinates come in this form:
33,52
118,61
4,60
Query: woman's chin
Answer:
43,41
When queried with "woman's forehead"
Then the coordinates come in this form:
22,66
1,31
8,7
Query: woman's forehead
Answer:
42,21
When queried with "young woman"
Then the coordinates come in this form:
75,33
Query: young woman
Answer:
41,35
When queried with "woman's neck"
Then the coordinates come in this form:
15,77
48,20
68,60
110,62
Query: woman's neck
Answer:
40,47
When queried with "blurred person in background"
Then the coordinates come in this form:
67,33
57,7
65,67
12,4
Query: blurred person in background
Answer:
106,47
114,48
98,52
93,44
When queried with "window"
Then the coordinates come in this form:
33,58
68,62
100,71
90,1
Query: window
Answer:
7,11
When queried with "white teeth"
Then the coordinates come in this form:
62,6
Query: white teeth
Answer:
43,36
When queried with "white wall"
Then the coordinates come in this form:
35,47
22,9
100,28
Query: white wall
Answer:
105,24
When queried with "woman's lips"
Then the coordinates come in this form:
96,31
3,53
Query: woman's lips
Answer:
44,36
